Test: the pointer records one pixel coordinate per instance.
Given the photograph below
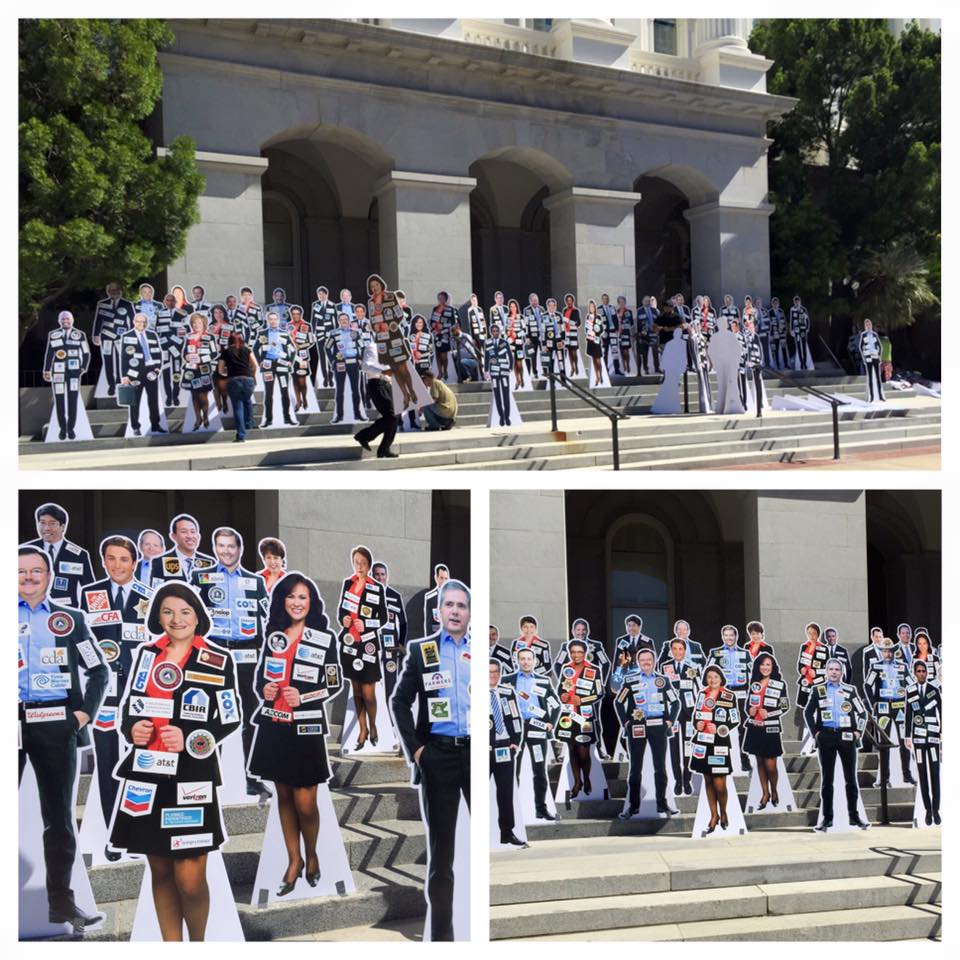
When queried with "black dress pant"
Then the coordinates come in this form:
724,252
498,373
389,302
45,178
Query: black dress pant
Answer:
503,778
52,749
532,359
353,374
757,374
657,739
110,365
874,380
153,404
249,701
928,772
171,381
282,381
653,347
830,744
501,396
106,746
444,778
680,749
741,696
382,397
66,404
539,768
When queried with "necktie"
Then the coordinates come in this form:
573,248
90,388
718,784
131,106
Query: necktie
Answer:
144,347
188,564
50,550
497,711
118,600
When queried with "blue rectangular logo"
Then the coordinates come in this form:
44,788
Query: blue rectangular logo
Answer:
177,817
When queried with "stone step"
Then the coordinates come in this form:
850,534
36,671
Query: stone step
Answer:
387,843
711,903
886,923
611,866
576,826
384,894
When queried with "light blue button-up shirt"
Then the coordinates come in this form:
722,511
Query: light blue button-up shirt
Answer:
525,682
452,661
834,699
31,647
348,346
273,344
889,680
646,683
231,584
730,664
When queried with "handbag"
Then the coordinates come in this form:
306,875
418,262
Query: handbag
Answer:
126,394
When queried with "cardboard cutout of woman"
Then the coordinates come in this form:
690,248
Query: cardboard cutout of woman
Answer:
697,339
581,692
767,702
181,702
923,728
596,657
595,325
65,361
304,340
923,651
498,365
716,715
273,553
674,367
297,677
571,338
725,353
199,358
507,829
361,612
648,709
515,330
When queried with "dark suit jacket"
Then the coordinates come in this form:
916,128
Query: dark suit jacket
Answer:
159,572
68,592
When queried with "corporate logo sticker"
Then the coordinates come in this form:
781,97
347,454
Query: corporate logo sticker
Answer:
151,707
156,761
167,675
181,818
60,624
194,705
227,702
138,798
195,791
200,744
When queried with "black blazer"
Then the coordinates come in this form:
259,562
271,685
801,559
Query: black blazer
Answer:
511,718
67,579
167,567
117,636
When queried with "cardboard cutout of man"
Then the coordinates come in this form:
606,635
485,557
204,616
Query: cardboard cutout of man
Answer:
885,689
275,354
800,325
393,633
540,711
343,346
923,728
53,714
780,359
69,562
498,363
506,737
65,361
648,707
112,317
682,669
141,365
172,329
674,367
431,611
868,347
236,602
499,652
180,561
115,610
836,719
323,319
150,544
437,744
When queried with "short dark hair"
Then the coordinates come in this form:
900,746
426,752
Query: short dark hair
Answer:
576,643
26,551
244,290
51,510
178,518
274,546
712,668
119,541
364,552
528,619
399,293
439,567
181,591
633,618
380,563
227,532
755,626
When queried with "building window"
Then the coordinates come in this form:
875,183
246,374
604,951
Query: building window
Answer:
545,25
639,578
665,36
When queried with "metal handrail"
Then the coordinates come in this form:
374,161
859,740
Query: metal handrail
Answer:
878,734
602,407
835,405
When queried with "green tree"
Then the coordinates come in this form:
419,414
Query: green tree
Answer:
96,202
855,167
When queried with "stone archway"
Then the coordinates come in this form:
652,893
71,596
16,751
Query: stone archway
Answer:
320,185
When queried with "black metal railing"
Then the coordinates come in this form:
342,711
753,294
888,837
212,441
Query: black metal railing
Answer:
835,406
587,397
881,739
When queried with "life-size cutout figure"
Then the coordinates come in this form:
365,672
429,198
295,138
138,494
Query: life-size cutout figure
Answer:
236,600
431,605
304,340
836,718
924,726
540,710
766,703
172,328
437,742
69,563
198,359
53,716
868,346
648,336
812,662
393,633
571,334
343,346
65,361
323,321
442,319
596,657
499,652
115,609
181,702
924,652
725,354
885,689
778,336
112,317
717,713
674,366
682,667
275,353
734,661
581,686
800,331
648,707
506,738
296,676
528,639
498,362
179,562
141,365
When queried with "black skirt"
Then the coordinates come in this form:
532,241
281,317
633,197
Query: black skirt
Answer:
280,755
594,349
759,743
367,672
146,834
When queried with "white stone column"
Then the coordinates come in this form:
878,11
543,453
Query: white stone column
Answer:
528,562
730,249
592,243
425,236
724,58
809,563
224,249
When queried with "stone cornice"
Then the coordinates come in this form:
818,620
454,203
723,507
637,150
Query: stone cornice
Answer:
274,74
397,179
405,48
232,162
621,198
718,206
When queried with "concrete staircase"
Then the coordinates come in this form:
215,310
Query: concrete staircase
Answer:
590,876
583,440
379,815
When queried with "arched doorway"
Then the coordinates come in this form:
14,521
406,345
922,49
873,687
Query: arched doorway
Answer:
661,240
509,225
319,211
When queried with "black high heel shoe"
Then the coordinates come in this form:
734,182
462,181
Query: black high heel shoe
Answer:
774,799
287,885
360,744
763,803
710,827
724,822
373,739
313,877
